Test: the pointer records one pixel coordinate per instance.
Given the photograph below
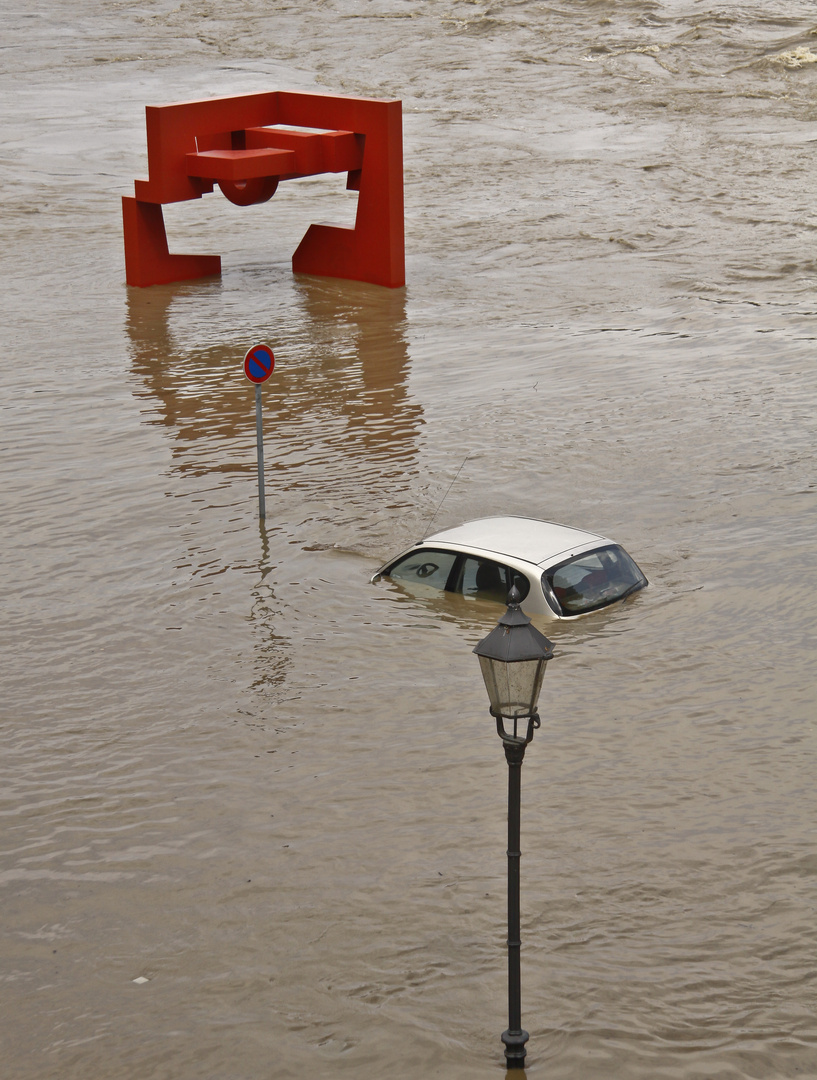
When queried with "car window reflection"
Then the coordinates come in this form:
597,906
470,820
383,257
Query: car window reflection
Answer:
429,568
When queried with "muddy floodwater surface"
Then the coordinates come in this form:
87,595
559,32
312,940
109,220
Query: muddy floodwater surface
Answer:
252,807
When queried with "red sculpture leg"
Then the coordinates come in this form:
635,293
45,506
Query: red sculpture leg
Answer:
374,250
147,259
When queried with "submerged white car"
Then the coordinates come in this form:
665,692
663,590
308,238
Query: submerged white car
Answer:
561,573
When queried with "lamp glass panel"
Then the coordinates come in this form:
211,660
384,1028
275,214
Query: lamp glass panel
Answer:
513,688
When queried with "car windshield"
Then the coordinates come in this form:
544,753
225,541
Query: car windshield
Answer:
592,580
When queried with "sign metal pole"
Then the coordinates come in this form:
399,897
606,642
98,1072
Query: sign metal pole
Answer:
258,366
259,438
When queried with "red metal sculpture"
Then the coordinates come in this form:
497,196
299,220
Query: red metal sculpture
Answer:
238,143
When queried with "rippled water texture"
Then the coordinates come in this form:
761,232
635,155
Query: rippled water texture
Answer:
252,808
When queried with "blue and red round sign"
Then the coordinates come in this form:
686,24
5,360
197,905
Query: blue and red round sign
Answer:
258,363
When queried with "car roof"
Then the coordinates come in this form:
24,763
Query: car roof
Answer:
522,538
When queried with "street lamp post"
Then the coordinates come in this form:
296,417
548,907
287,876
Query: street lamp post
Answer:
513,658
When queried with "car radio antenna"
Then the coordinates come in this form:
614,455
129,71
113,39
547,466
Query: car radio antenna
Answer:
442,500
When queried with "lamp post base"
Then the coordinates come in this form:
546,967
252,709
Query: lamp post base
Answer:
515,1048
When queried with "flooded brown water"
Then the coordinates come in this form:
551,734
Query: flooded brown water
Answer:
235,769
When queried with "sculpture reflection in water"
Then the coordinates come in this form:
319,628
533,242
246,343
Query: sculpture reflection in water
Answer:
337,411
341,431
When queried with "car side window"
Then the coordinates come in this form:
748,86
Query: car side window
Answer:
483,579
424,567
488,580
521,581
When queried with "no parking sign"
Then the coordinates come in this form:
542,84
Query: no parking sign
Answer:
259,363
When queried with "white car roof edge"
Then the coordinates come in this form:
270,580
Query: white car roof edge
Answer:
544,542
497,556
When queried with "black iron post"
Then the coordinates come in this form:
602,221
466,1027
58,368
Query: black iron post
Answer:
513,659
515,1037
